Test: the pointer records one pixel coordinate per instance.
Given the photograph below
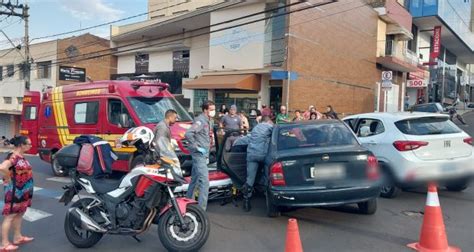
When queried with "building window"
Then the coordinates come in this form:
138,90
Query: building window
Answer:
44,70
20,100
412,44
142,61
86,112
7,100
181,62
10,70
22,68
1,73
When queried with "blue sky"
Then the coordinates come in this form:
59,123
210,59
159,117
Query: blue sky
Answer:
56,16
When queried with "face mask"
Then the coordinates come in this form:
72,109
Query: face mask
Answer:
212,113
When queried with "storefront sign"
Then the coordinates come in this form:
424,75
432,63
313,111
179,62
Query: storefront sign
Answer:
72,74
417,83
237,38
283,75
436,48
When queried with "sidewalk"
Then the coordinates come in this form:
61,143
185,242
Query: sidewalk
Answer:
5,149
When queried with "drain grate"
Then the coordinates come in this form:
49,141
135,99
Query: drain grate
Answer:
413,213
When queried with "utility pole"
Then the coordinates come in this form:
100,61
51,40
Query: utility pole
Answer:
20,10
27,64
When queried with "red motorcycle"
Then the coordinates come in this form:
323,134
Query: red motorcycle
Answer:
145,196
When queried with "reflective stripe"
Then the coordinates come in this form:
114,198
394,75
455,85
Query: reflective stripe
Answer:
432,199
100,143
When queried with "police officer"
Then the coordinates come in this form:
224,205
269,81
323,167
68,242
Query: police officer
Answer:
199,142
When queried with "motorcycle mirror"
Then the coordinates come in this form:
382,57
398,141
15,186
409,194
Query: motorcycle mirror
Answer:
124,121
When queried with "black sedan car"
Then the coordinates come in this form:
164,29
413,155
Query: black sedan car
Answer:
315,163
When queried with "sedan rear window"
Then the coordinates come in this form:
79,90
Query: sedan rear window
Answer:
427,126
321,135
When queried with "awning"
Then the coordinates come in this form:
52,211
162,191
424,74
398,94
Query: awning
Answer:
250,82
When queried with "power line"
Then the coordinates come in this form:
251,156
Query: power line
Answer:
93,43
107,23
286,13
224,22
197,29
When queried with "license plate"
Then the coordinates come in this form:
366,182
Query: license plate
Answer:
328,172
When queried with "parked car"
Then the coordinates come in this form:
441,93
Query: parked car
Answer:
433,107
315,163
414,148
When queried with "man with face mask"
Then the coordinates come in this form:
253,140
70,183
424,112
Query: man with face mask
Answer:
162,140
199,145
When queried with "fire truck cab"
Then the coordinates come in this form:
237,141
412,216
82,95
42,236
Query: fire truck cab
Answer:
103,108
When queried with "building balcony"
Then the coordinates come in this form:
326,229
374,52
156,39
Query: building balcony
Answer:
397,58
398,19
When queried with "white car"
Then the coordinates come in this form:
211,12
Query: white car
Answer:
414,148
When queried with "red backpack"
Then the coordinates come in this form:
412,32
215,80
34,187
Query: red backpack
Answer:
86,159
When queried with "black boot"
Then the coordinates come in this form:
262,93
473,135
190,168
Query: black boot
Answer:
247,192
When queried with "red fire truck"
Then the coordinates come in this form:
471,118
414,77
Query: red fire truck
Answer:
103,108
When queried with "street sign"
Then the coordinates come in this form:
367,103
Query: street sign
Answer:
386,85
283,75
387,75
417,83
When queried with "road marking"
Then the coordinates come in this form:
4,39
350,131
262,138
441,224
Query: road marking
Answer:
60,179
32,215
35,188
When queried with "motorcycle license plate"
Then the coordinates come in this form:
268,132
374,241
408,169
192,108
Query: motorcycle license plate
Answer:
328,172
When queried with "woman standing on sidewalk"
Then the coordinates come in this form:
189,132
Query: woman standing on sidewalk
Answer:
18,181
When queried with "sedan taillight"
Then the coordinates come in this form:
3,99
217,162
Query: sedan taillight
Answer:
468,140
409,145
372,168
276,175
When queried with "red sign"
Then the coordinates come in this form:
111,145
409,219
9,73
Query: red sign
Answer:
436,47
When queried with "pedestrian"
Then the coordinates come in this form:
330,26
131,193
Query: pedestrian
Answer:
257,152
18,180
223,111
198,137
283,116
162,139
313,116
407,102
266,111
307,113
298,116
231,121
245,120
330,113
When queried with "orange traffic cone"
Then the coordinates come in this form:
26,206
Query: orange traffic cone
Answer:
433,234
293,242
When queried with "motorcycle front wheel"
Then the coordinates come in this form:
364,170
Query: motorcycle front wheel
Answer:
75,233
174,237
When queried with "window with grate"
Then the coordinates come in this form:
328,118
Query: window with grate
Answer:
181,62
10,70
142,62
7,100
44,70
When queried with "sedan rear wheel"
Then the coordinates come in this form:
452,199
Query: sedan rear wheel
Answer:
458,186
272,210
368,207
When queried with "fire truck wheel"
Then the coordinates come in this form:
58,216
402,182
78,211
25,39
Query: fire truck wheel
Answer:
57,169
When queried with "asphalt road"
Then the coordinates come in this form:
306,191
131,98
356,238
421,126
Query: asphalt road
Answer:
396,223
